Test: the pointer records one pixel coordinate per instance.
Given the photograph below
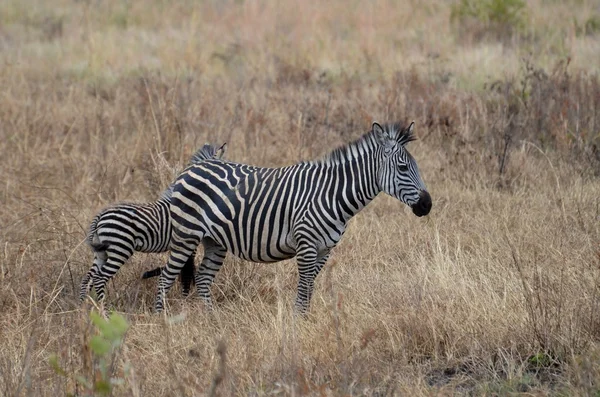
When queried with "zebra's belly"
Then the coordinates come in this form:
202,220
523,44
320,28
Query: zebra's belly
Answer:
262,247
263,253
147,247
249,256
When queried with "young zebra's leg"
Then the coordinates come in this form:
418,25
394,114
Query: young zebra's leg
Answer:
86,283
214,255
116,259
181,250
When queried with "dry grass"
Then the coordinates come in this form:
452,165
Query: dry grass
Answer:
496,292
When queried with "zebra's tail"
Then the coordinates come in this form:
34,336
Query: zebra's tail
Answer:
93,238
152,273
186,277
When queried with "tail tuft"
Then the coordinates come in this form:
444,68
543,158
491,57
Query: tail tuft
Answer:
152,273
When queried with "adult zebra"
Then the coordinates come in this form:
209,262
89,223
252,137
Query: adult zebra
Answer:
272,214
119,230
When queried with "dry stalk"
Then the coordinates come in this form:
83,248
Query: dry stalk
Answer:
219,375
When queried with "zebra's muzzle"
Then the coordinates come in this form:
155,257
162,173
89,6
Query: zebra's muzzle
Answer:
423,206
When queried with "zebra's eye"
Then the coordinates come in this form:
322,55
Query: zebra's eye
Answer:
402,167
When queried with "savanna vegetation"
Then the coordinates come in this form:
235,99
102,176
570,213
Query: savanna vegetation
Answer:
497,291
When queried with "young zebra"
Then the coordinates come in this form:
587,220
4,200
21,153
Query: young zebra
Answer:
121,229
272,214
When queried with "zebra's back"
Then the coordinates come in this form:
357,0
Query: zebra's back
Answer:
252,211
140,227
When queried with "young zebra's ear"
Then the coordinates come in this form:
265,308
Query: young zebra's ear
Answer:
385,136
221,151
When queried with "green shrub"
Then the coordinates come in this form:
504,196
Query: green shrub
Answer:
589,28
500,19
104,347
592,25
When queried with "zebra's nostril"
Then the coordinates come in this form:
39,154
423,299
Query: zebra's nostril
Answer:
425,199
423,206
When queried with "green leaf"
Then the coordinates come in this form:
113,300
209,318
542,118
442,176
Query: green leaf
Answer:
53,362
118,325
541,360
99,345
102,387
102,325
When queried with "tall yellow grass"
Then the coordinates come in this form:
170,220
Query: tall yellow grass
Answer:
497,291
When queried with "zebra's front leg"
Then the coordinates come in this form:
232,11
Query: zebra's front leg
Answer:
214,255
310,264
181,252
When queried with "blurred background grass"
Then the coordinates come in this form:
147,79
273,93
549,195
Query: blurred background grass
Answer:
495,292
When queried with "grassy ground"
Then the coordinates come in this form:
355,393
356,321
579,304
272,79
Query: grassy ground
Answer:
496,292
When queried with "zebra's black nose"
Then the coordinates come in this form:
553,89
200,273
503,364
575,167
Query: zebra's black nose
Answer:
423,206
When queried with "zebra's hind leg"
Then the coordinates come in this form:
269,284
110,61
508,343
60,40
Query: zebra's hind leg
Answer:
310,264
86,283
187,275
115,260
181,250
214,255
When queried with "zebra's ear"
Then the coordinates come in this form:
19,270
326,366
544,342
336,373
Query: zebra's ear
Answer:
407,135
385,137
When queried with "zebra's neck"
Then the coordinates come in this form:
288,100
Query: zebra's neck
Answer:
352,171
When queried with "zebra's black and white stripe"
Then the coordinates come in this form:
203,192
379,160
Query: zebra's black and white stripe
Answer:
272,214
118,231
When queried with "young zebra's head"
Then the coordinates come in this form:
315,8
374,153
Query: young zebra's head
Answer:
208,151
398,174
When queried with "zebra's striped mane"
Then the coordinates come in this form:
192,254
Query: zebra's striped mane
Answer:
350,150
